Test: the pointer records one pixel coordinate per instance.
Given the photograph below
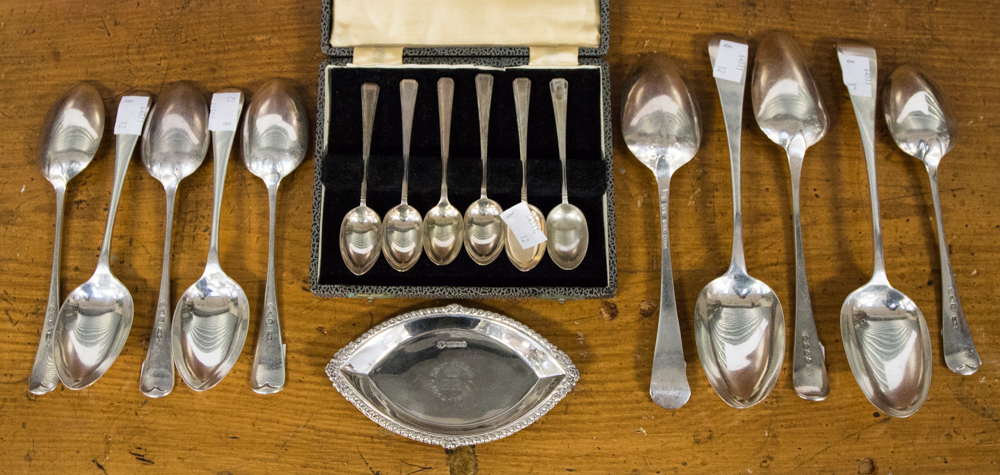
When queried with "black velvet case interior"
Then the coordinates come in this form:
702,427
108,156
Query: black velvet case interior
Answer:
587,169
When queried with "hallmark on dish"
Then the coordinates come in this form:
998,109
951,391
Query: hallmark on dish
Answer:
451,344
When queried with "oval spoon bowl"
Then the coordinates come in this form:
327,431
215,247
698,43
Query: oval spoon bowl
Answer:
568,236
484,231
525,259
402,239
360,239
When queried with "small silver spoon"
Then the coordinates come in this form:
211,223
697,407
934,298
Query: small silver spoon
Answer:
402,238
443,227
565,226
95,319
524,259
174,145
790,111
484,229
72,132
922,126
212,316
361,229
738,323
885,335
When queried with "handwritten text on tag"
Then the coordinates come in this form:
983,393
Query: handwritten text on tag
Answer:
857,74
131,115
731,61
225,112
522,223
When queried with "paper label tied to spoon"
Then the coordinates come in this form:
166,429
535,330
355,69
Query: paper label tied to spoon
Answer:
225,112
524,226
731,61
132,112
857,74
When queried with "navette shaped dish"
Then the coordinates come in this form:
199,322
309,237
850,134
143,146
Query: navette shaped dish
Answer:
452,376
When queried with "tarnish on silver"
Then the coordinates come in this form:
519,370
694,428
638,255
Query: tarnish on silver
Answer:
444,346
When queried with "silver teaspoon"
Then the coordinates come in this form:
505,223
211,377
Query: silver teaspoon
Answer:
661,124
790,112
738,323
402,238
275,137
443,226
922,126
484,229
174,145
885,335
212,316
524,259
73,130
565,226
95,319
361,229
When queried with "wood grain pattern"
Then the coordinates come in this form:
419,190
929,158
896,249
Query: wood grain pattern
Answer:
608,424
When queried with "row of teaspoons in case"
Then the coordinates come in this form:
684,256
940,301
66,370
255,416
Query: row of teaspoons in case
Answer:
486,228
739,324
81,340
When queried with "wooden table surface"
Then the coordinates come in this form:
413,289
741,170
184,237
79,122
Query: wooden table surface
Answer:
607,424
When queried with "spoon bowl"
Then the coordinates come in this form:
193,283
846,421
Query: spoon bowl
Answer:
361,228
526,259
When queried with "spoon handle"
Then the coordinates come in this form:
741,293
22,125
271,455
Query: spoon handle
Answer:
124,146
43,372
446,94
267,376
369,100
731,97
959,352
408,102
522,95
156,379
559,88
484,95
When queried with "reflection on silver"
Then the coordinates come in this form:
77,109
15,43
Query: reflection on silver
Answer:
452,376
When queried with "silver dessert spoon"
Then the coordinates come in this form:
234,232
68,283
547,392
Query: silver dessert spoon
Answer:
174,145
402,238
361,229
661,124
923,127
443,226
790,112
524,259
484,229
95,319
73,130
885,335
738,322
212,316
565,226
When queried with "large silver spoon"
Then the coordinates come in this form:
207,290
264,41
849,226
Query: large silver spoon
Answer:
275,137
72,132
885,335
565,226
661,124
484,229
402,238
95,319
524,259
443,226
738,323
922,126
790,111
174,145
212,316
361,229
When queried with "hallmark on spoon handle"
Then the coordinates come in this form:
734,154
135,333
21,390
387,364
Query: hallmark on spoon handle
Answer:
43,377
267,375
156,379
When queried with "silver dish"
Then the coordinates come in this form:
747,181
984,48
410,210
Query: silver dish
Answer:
452,376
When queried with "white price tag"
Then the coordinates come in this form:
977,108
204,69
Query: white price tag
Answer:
225,112
522,223
132,112
857,74
731,61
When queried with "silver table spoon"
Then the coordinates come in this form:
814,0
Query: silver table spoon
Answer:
275,136
885,335
790,112
565,226
212,316
661,124
443,226
402,238
484,229
174,145
73,130
922,126
361,229
738,322
95,319
524,259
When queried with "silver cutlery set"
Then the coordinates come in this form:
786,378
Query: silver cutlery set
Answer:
81,339
739,324
485,229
